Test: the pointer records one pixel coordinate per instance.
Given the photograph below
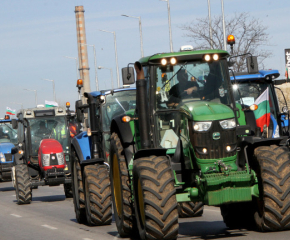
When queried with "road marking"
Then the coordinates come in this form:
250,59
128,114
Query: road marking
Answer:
15,215
14,195
87,239
50,227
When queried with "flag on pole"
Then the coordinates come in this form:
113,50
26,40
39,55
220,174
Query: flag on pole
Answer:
262,114
10,111
51,104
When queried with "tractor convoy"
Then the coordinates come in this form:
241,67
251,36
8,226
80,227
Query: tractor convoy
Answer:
188,135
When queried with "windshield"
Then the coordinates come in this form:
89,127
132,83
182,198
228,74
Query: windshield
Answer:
49,127
7,134
117,104
192,81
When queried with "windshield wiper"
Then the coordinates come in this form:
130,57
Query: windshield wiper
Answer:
120,104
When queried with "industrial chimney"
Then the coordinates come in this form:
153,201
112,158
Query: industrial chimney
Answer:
82,50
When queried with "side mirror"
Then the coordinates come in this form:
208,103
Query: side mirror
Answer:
252,64
128,75
14,123
79,113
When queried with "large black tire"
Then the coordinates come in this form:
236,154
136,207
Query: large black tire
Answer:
98,200
155,199
121,192
22,184
238,215
190,209
68,190
272,211
78,191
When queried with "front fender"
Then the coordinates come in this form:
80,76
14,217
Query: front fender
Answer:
82,145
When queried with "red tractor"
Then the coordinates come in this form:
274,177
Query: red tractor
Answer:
42,155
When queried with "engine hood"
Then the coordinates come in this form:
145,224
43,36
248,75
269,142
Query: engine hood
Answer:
6,147
208,111
50,146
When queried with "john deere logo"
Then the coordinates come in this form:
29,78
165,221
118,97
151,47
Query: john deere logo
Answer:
216,135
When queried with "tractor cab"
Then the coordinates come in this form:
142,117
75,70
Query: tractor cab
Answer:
8,137
43,149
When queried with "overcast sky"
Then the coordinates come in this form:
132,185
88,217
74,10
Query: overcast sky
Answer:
37,34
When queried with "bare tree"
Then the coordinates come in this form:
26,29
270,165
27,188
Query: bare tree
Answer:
249,33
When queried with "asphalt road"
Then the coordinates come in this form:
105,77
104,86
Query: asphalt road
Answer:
51,216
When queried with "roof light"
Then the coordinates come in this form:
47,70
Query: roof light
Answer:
163,61
215,57
186,48
28,112
67,104
173,61
207,57
60,110
79,83
7,117
231,40
102,98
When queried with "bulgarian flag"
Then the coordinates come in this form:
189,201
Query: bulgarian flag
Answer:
262,114
51,104
10,111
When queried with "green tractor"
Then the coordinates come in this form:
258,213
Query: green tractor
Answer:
189,141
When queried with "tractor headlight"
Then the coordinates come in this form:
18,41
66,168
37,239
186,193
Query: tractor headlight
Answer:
228,124
60,158
2,157
201,126
45,159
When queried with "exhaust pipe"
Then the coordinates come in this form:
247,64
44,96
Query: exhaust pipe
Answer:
142,106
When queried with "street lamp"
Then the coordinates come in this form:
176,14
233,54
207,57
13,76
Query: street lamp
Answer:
169,24
209,21
140,31
100,67
77,66
95,61
53,86
118,77
18,103
32,91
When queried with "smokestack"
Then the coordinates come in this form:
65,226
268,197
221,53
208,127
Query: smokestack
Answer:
82,50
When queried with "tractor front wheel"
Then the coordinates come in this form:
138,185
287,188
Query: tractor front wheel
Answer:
22,184
77,189
155,199
120,187
190,209
272,211
98,200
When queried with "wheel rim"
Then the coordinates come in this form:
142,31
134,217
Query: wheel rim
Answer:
117,185
141,203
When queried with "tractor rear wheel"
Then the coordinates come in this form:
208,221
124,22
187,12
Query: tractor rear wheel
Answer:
120,187
97,195
22,184
78,191
272,210
190,209
155,199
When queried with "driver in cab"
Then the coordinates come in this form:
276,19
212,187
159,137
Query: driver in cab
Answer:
183,89
42,130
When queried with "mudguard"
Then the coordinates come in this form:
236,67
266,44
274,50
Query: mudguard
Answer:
125,134
82,145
